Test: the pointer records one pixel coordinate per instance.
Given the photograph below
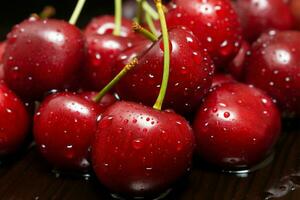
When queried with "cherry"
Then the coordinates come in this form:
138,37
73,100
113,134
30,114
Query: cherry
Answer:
102,51
42,55
258,16
220,79
2,49
139,151
274,66
190,75
236,126
64,126
236,66
14,121
214,22
106,24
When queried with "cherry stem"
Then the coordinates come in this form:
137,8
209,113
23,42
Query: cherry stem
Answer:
139,29
150,24
151,11
77,11
117,78
165,38
118,17
139,11
47,12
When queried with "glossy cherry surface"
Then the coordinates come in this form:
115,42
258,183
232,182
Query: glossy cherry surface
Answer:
2,49
237,65
14,121
42,55
274,66
139,151
236,126
258,16
295,7
105,101
214,22
220,79
102,51
191,72
105,24
64,126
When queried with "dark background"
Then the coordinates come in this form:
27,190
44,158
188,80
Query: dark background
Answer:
15,11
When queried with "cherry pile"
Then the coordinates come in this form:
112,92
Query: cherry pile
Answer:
220,75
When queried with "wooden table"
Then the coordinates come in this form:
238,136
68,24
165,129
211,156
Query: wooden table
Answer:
28,177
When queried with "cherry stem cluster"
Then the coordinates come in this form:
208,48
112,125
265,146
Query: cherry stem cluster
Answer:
166,72
117,78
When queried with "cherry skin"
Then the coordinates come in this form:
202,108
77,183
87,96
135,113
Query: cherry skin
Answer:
258,16
42,55
14,121
236,126
274,66
102,51
220,79
105,24
236,66
64,126
2,49
191,72
295,7
105,101
139,151
214,22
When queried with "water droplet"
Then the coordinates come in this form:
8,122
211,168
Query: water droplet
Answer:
138,144
226,114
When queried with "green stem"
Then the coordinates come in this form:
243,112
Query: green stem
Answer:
150,24
77,12
139,11
139,29
151,11
118,17
165,37
47,12
117,78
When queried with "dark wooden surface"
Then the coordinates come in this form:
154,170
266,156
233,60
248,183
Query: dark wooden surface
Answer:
28,177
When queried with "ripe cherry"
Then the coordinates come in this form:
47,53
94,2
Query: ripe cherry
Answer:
295,7
190,74
236,126
64,126
102,51
214,22
105,24
14,121
105,101
42,55
258,16
274,66
139,151
2,49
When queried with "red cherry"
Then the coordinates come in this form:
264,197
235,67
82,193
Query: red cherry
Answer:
102,51
42,55
236,66
64,126
236,126
258,16
2,49
14,121
274,66
191,73
105,101
139,151
214,22
105,24
220,79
